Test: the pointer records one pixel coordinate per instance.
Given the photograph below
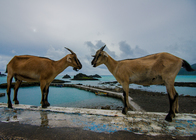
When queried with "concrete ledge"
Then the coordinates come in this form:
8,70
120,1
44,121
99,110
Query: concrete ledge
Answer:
98,120
114,113
67,110
133,105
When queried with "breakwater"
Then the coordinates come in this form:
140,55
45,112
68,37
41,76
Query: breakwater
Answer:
133,105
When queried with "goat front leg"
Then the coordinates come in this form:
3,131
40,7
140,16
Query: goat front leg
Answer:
43,89
46,96
18,83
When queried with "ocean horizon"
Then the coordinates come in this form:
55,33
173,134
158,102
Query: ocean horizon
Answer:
109,78
72,97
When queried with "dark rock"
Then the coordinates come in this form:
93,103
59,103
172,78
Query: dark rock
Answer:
113,82
79,84
66,76
1,75
60,81
95,76
29,84
23,84
185,84
2,94
82,76
105,107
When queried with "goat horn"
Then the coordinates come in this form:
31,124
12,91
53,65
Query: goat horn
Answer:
93,55
102,48
70,50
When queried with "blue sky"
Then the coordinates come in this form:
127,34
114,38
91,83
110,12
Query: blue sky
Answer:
129,28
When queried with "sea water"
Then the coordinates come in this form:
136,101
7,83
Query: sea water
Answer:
158,88
72,97
62,96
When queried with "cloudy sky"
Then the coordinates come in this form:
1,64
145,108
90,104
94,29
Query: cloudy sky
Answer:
129,28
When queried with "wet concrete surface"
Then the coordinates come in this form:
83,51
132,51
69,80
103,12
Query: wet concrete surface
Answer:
78,123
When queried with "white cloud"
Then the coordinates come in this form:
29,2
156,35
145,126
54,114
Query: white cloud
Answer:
4,60
184,49
56,54
13,51
128,52
29,27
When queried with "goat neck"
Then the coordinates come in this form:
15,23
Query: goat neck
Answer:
61,64
111,64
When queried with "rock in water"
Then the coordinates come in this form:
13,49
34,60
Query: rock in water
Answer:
66,76
82,76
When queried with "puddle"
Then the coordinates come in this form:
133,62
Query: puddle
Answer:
101,120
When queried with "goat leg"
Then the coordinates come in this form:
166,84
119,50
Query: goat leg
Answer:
9,101
171,113
176,104
125,109
9,81
18,83
46,95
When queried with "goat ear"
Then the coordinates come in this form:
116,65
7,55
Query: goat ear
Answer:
105,54
69,59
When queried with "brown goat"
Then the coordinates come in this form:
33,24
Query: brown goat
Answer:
32,68
160,68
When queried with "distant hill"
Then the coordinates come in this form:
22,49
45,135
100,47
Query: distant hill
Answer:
82,76
184,72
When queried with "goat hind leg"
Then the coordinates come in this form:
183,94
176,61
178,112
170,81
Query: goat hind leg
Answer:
124,111
9,81
18,83
176,103
126,101
172,99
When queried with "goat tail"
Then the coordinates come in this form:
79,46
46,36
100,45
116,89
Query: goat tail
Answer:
187,66
6,70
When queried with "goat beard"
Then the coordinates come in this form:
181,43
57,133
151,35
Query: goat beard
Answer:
75,69
94,65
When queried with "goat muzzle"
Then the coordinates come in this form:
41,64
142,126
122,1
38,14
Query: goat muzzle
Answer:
77,68
93,62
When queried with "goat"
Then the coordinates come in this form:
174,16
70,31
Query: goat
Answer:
160,68
32,68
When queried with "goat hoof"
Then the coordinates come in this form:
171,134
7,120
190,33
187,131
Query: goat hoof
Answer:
124,111
17,102
47,103
44,106
168,118
9,105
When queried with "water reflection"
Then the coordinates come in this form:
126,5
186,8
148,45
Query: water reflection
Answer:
44,119
12,117
39,118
